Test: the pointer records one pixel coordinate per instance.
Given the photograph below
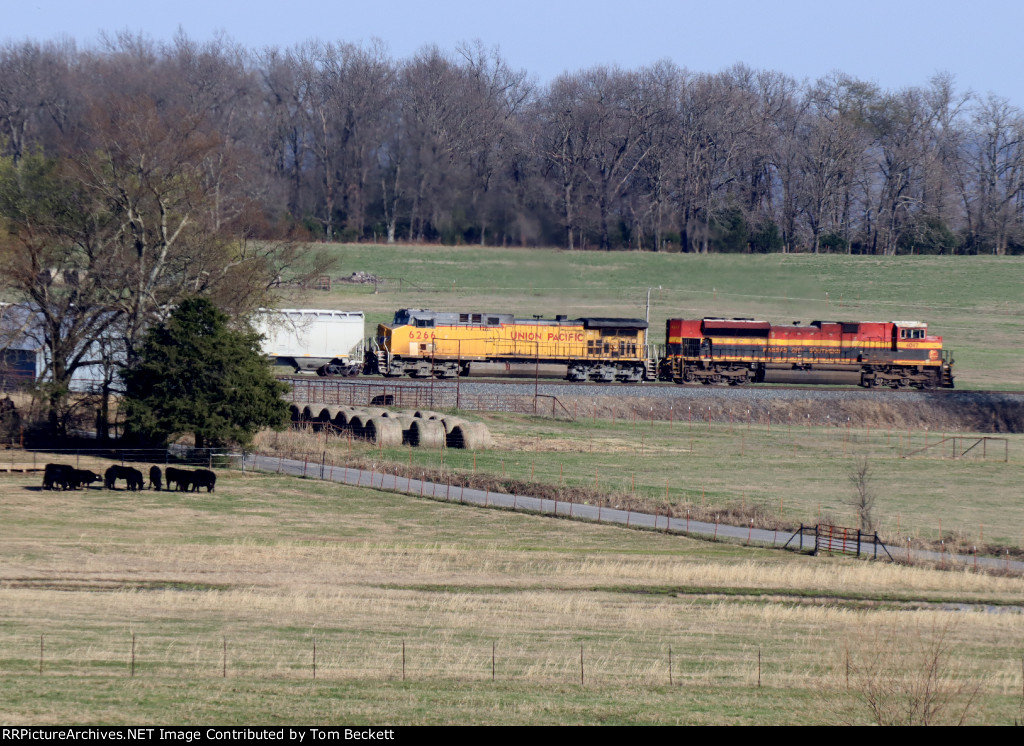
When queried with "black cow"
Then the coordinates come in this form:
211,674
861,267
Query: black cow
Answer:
180,477
203,478
58,475
83,478
132,476
155,477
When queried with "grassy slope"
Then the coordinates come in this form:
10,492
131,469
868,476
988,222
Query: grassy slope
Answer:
792,474
975,303
268,565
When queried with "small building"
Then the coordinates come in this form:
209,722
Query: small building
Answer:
24,359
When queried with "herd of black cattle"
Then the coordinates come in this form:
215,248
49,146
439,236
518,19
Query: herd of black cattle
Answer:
65,477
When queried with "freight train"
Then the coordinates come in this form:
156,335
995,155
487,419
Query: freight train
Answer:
420,343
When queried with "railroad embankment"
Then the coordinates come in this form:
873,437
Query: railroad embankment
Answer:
964,411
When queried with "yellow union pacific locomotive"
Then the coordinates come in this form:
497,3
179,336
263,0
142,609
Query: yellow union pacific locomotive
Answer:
422,343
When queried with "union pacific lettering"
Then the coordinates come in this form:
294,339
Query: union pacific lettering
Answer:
547,336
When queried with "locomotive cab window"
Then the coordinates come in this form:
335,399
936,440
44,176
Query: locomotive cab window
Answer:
422,323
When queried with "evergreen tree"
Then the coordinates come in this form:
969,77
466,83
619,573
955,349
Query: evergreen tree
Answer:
195,375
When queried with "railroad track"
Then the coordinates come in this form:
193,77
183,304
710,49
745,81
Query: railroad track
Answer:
617,389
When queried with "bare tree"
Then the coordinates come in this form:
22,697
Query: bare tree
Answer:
496,97
568,146
37,94
863,500
996,162
50,259
111,235
908,677
460,146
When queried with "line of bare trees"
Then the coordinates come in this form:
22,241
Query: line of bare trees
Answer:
347,143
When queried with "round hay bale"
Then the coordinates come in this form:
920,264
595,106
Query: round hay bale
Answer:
340,418
294,412
383,431
357,423
450,423
426,414
473,436
346,415
426,433
405,420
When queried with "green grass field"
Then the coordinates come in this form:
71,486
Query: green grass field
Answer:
226,594
779,476
974,303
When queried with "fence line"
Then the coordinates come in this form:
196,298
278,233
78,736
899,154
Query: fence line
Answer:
669,521
383,656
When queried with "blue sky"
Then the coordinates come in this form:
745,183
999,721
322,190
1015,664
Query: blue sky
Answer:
892,43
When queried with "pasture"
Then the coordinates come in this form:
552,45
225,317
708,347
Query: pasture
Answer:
974,303
175,608
780,475
278,600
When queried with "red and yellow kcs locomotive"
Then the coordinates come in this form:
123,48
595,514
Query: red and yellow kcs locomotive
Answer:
897,354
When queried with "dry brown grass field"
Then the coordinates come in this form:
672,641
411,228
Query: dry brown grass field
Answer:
178,608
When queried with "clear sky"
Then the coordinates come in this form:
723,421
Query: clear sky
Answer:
894,43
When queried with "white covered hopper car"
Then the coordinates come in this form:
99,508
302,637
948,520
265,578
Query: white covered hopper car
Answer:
313,340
